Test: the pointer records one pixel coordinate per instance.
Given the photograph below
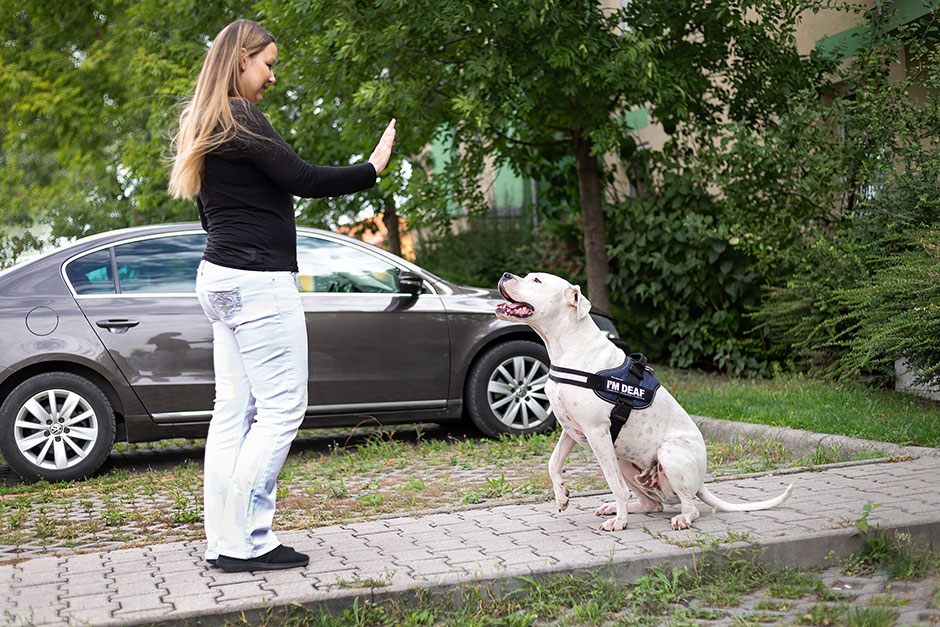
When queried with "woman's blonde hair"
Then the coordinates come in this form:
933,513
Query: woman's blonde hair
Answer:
207,121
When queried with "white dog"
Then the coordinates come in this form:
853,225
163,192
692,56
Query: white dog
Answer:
659,452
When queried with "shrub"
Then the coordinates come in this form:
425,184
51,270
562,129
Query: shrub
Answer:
680,284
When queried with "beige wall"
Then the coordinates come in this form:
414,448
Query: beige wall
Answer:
812,28
816,26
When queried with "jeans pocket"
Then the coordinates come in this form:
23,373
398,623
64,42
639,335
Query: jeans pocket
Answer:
226,303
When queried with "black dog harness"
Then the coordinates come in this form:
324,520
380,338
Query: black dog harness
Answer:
628,387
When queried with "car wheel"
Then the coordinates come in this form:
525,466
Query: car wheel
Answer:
506,390
56,426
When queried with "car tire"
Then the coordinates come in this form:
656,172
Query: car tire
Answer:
56,426
505,391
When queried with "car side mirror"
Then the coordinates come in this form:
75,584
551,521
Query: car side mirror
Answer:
410,283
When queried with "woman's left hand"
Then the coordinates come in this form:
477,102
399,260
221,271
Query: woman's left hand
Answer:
383,150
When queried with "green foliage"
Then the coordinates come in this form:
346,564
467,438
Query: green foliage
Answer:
894,551
838,205
94,90
479,254
680,282
90,105
507,83
896,314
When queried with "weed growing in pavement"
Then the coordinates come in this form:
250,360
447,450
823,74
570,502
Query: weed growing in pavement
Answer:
893,551
497,488
858,616
888,601
371,497
339,490
471,497
114,515
385,579
822,614
746,455
774,605
415,484
699,539
183,513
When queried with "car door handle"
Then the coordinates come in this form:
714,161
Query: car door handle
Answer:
116,325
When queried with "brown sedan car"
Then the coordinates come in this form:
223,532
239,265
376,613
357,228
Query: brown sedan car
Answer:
104,340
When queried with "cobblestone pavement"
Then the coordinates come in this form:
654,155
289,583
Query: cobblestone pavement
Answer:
171,583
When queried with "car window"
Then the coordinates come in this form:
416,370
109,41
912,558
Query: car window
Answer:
92,274
160,265
327,266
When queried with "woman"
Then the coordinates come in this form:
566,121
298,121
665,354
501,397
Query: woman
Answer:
243,176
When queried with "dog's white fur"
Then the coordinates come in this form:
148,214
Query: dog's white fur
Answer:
659,454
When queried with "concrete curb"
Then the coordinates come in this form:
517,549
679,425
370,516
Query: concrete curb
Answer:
804,441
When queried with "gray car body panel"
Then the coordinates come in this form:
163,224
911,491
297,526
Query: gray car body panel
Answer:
68,344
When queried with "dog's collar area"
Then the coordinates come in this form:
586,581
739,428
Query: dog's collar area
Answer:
628,387
633,380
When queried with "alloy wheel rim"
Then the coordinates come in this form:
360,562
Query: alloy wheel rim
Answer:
516,393
56,429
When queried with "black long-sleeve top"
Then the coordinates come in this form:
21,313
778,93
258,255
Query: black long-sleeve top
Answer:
246,201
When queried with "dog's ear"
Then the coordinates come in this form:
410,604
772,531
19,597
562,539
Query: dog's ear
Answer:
574,298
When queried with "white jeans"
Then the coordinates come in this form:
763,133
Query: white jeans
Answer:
260,358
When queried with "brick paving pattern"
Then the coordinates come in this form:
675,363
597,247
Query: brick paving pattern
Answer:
171,583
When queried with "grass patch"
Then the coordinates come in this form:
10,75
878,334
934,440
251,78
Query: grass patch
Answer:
849,409
711,590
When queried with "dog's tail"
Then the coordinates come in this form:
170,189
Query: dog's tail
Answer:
713,501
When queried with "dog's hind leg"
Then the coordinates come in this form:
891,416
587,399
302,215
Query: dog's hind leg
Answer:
683,464
556,464
644,502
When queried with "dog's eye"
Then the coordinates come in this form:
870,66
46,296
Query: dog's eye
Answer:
536,280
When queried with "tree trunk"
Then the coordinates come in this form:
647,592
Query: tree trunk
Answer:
592,215
390,219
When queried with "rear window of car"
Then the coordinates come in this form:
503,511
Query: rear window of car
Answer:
161,265
92,274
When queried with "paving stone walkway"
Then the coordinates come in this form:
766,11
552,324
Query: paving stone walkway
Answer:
171,583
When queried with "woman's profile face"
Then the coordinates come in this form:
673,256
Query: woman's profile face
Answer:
257,73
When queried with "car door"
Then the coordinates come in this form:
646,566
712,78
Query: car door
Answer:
139,297
372,348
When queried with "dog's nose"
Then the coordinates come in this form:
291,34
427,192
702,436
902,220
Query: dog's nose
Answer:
506,276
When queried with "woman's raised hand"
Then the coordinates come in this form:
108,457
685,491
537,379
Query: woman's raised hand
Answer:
383,150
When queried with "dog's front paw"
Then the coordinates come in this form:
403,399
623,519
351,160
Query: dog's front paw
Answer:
681,522
561,497
606,509
614,524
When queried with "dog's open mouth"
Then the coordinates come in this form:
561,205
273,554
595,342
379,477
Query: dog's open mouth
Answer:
513,308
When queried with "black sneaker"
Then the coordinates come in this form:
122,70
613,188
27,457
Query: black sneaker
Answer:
278,558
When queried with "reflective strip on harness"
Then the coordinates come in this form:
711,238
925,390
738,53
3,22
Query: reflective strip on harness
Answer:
631,386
